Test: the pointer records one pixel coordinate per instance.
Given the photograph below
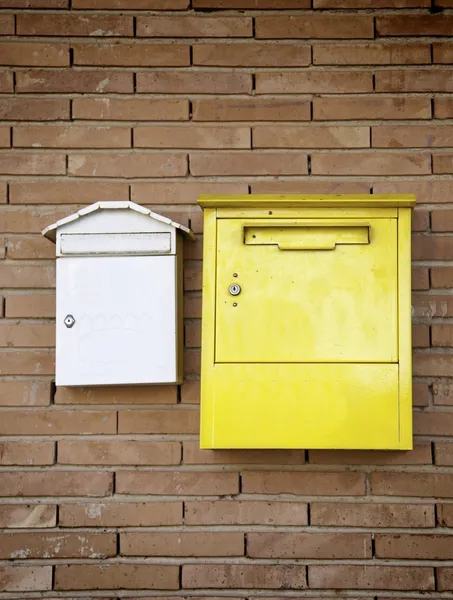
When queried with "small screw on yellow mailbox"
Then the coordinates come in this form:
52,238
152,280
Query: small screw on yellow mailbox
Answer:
306,322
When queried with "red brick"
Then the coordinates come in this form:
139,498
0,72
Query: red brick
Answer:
29,248
3,192
34,109
422,136
244,576
129,165
442,335
72,81
443,107
444,454
119,453
310,137
24,393
420,336
313,82
192,279
32,220
255,109
194,456
421,485
31,163
192,307
404,25
181,193
251,55
25,579
132,55
371,54
55,483
414,81
182,544
310,187
376,107
442,163
433,423
309,545
6,81
413,547
365,577
420,278
444,579
27,453
194,27
164,394
132,4
376,163
371,515
184,483
34,3
443,53
303,483
232,512
248,163
158,421
132,109
57,422
6,24
66,192
74,25
58,136
314,26
434,247
443,393
433,365
192,335
117,576
5,137
34,55
445,515
442,277
121,514
420,394
371,3
253,4
420,220
57,545
190,392
421,455
185,82
39,305
27,516
442,220
428,305
27,363
427,192
159,136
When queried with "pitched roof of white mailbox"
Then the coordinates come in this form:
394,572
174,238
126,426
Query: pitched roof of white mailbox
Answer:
50,232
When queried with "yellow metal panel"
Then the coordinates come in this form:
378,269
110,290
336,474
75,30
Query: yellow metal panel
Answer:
304,213
304,406
307,305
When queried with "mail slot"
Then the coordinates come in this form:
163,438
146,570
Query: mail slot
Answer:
306,324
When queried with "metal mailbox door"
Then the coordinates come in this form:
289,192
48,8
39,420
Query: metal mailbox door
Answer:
306,290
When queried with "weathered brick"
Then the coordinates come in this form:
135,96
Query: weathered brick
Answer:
66,192
420,336
251,55
32,163
72,81
248,163
117,395
190,392
192,279
421,136
443,53
376,163
444,578
159,136
314,26
33,109
303,483
420,220
129,165
443,393
25,579
194,456
420,394
445,515
27,363
414,25
443,107
132,4
313,82
412,80
6,24
255,109
58,136
181,193
22,247
429,305
192,307
310,137
310,187
34,3
427,192
375,107
365,577
442,221
182,544
442,335
194,27
27,516
372,54
74,25
27,453
371,3
444,454
192,335
57,422
132,55
57,545
232,512
31,54
309,545
5,134
3,192
121,514
420,485
158,421
118,453
434,247
24,393
244,576
131,109
117,576
6,81
420,455
31,220
433,423
441,277
177,483
254,4
371,515
55,483
432,365
442,163
197,82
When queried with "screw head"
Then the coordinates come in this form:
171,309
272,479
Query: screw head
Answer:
69,321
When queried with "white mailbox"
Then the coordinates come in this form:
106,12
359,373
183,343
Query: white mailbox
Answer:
119,296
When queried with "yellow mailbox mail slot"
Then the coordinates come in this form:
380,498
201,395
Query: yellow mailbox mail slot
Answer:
306,322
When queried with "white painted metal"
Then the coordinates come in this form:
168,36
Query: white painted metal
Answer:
115,243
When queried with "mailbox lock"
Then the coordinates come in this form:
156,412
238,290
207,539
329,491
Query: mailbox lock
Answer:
234,289
69,321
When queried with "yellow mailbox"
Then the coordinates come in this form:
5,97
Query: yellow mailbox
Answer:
306,322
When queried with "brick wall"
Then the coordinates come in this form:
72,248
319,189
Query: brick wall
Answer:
155,101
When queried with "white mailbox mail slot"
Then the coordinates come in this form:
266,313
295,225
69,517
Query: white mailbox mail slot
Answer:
119,296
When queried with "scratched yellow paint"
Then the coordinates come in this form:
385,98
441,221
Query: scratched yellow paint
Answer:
315,350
